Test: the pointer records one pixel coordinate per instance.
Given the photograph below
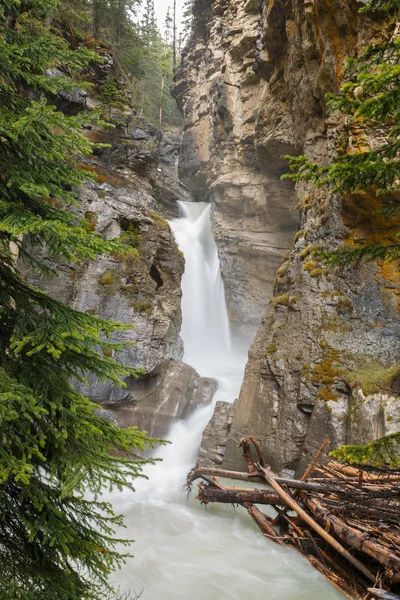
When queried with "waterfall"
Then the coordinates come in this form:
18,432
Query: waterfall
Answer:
182,551
205,326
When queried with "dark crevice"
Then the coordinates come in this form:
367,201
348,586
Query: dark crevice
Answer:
155,275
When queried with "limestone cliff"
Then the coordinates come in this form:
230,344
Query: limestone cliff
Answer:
134,180
224,161
324,362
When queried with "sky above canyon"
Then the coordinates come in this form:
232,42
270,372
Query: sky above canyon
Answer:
161,7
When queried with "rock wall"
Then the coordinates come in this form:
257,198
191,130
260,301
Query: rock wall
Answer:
324,362
222,160
135,180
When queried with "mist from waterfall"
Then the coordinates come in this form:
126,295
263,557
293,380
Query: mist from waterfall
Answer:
182,551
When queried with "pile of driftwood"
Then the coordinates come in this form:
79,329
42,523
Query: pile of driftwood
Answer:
344,520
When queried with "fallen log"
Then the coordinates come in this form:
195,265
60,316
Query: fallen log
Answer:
295,484
383,594
214,472
210,494
339,582
359,508
305,476
349,471
353,537
263,523
315,460
314,525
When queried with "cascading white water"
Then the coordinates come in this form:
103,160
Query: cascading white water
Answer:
205,326
182,551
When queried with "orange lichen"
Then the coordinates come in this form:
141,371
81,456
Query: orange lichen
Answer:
327,395
367,224
388,273
99,137
101,175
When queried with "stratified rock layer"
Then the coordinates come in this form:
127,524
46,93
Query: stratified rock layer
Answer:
134,179
324,361
222,160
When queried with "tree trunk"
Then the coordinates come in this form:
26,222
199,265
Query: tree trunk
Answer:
96,18
317,528
174,37
211,494
353,537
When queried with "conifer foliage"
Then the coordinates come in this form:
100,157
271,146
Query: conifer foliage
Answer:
382,454
371,98
55,544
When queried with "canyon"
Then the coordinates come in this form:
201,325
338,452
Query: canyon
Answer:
323,364
323,360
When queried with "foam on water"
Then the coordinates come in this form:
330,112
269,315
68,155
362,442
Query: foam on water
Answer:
183,551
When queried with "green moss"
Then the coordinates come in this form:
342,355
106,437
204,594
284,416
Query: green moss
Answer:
305,369
329,294
108,352
163,223
131,237
299,235
307,251
281,272
329,369
129,258
310,265
373,378
143,306
285,300
317,272
281,300
335,324
272,348
344,304
108,278
90,220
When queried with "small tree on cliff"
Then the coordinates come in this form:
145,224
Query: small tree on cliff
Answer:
55,544
187,22
371,98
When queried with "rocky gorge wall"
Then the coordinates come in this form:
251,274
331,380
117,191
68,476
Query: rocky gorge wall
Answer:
135,187
324,362
223,161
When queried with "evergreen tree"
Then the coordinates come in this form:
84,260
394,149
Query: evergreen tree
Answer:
168,26
55,544
371,98
174,34
149,31
382,454
187,23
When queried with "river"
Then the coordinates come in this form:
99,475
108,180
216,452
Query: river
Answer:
183,551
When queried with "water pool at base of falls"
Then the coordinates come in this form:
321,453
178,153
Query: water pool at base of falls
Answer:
183,551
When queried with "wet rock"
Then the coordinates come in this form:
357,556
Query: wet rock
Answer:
213,443
324,327
143,288
222,160
171,391
71,102
169,189
254,89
